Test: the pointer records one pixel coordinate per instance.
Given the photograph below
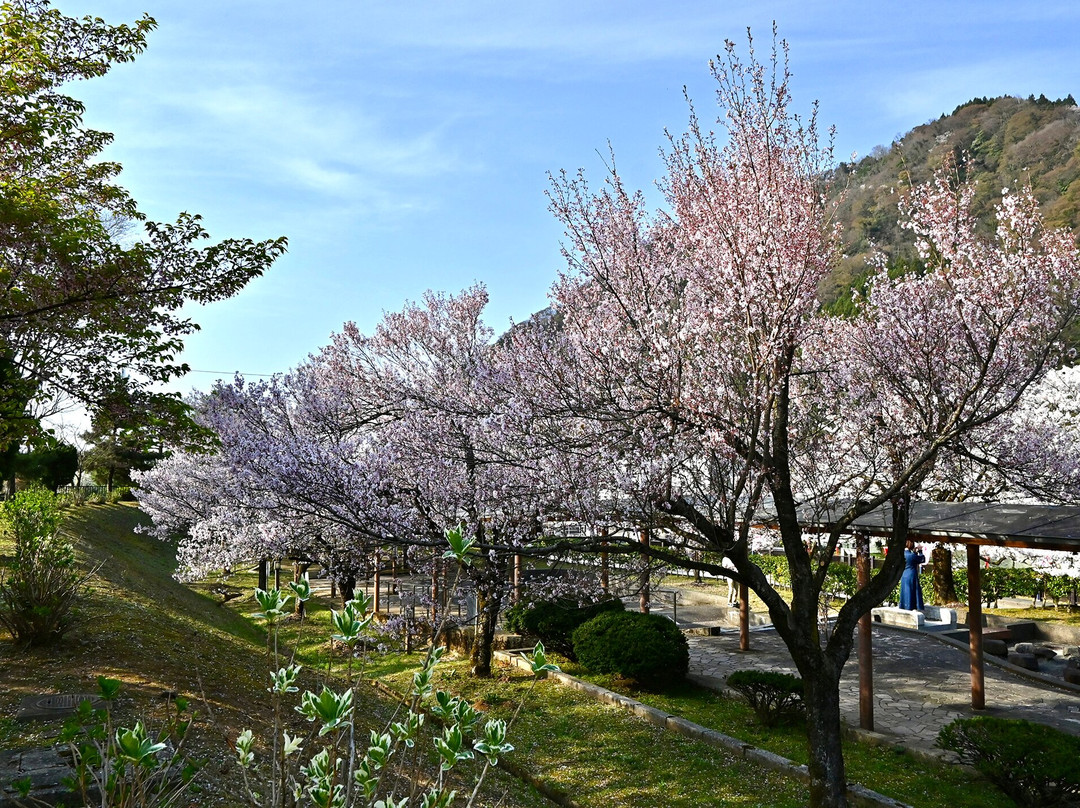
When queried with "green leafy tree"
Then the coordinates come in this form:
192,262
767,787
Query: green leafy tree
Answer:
51,465
86,311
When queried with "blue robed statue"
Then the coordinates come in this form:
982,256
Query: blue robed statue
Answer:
910,587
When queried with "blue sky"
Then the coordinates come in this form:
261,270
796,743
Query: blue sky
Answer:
403,146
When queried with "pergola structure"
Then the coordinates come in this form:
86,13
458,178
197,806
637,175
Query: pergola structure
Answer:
1037,527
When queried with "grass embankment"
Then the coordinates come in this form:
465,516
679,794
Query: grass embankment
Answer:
157,636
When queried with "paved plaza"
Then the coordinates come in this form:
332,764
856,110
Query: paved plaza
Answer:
920,683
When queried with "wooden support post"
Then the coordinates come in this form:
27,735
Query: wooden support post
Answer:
978,693
866,645
517,578
645,594
377,580
277,574
604,569
744,617
263,577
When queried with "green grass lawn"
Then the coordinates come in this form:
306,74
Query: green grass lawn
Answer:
155,634
1065,615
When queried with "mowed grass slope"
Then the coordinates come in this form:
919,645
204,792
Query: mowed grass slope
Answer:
139,625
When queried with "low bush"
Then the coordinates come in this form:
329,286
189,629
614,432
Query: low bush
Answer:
774,697
120,494
1034,764
841,579
776,566
647,648
553,622
42,583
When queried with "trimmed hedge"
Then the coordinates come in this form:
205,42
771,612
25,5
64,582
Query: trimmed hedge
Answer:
1036,765
647,648
553,622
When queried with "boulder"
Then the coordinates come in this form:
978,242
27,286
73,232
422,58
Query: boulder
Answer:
1022,660
1045,652
1071,651
995,647
1024,648
1072,676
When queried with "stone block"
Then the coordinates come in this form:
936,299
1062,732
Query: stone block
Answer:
995,647
940,614
902,618
1022,660
1024,648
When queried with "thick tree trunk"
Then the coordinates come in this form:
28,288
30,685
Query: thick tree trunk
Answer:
828,784
488,608
944,585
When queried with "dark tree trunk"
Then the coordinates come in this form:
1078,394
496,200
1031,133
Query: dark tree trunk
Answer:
299,568
488,607
944,585
828,781
347,585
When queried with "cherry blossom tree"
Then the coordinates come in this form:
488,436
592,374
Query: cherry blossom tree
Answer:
696,382
382,440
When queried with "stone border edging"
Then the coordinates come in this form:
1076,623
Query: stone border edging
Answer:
858,794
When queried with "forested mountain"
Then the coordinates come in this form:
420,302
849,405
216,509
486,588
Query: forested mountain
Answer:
997,141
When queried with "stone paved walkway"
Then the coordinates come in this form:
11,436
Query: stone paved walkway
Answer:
920,684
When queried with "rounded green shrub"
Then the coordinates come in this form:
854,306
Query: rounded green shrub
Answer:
553,622
1034,764
647,648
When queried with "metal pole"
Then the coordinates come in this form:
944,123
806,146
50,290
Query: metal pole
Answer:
866,645
645,595
744,617
978,693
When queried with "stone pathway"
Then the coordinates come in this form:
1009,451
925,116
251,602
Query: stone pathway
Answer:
920,684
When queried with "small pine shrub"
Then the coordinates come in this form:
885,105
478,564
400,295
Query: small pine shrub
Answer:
1036,765
774,697
554,622
647,648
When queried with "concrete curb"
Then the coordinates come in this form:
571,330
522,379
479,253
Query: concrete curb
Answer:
859,795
